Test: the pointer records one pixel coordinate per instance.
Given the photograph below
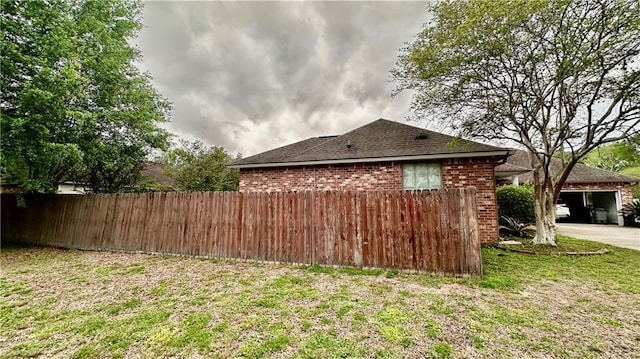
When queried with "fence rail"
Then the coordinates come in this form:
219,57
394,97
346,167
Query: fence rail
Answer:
430,231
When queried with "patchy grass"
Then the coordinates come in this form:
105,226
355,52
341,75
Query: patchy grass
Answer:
61,303
618,270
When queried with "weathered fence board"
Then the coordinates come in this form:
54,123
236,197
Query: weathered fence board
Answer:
430,231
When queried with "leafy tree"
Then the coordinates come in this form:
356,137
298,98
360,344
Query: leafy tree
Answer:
147,184
74,105
197,167
614,157
551,75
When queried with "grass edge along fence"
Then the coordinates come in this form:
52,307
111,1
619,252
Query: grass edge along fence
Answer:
418,231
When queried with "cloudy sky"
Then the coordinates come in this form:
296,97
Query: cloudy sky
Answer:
250,76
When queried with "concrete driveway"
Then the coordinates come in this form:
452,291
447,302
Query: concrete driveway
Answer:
627,237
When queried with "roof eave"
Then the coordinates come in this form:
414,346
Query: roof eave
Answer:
372,159
510,173
632,183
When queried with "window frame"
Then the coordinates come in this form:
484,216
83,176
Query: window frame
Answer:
414,166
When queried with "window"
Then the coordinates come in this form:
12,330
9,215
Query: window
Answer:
421,176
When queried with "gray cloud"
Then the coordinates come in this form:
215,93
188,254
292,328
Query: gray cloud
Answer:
251,76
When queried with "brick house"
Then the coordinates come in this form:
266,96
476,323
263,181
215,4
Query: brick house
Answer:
382,155
593,195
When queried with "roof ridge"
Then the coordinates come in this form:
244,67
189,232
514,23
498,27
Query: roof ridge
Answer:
338,136
452,137
273,150
604,170
321,143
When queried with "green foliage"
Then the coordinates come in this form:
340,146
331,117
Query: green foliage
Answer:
499,282
478,342
610,321
516,202
392,273
432,328
632,210
615,157
440,350
146,185
514,227
197,167
74,105
260,348
328,344
392,326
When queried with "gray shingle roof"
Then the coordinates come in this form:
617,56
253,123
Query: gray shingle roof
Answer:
511,168
285,153
579,174
377,140
155,171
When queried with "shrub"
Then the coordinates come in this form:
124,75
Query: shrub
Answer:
631,212
514,228
516,202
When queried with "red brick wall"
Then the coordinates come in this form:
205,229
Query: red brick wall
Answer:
479,173
361,176
624,188
476,172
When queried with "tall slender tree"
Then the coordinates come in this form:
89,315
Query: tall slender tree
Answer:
552,75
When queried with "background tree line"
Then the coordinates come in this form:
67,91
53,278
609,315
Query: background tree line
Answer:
622,157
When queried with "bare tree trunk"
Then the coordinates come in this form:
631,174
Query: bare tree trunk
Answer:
545,210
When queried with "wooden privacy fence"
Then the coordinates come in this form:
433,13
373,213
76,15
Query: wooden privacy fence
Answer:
429,231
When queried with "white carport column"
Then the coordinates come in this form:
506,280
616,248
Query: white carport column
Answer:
619,208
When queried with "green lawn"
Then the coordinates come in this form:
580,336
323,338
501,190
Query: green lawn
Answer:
89,304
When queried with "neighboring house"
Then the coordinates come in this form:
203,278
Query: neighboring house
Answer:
67,187
382,155
7,187
152,171
593,195
71,187
155,171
